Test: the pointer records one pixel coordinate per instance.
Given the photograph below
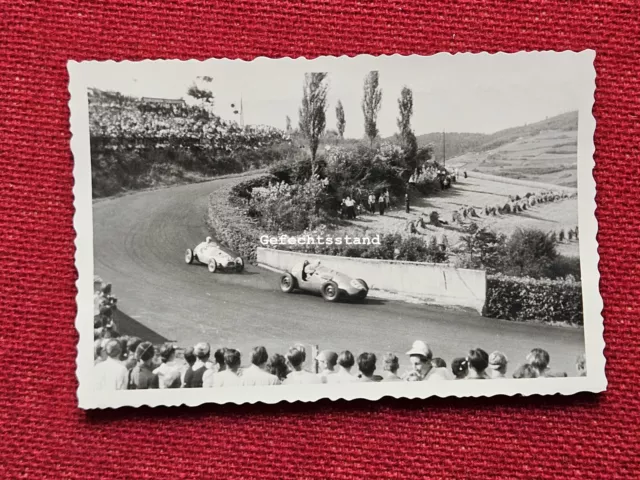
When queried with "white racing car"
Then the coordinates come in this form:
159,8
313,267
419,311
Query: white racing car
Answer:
214,257
316,278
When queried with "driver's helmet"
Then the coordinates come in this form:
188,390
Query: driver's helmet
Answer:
208,240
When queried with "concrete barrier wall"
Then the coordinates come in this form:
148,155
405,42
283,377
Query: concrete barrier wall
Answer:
431,283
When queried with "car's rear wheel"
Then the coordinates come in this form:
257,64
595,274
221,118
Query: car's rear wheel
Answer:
188,256
330,291
213,266
287,283
239,264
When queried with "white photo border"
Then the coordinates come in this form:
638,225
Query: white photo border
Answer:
595,381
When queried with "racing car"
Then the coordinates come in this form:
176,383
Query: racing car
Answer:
214,256
316,278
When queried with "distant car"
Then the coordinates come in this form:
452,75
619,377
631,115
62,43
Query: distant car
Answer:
316,278
214,257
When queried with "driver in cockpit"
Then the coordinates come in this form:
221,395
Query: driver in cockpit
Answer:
309,269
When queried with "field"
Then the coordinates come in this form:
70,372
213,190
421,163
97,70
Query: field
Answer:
478,191
549,157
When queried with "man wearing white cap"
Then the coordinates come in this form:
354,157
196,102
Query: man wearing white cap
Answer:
421,356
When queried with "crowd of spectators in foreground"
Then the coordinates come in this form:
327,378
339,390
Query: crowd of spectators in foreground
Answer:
128,363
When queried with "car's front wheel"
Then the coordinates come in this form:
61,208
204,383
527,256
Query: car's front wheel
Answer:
330,291
287,283
239,265
188,256
213,266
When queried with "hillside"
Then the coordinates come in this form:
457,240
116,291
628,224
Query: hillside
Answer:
544,151
479,191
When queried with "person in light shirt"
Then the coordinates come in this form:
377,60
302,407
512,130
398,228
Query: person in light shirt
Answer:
110,374
168,372
540,359
230,376
390,367
327,361
581,365
298,376
255,375
345,364
497,365
422,370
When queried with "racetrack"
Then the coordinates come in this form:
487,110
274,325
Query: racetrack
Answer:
139,244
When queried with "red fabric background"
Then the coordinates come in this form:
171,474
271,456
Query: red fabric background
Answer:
42,431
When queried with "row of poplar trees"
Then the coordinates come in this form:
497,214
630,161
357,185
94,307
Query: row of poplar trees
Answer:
312,113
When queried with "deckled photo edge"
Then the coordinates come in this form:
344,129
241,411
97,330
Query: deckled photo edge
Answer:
83,224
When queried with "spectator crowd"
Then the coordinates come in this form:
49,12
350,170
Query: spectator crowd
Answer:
129,363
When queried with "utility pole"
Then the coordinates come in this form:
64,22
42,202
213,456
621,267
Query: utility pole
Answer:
444,149
241,113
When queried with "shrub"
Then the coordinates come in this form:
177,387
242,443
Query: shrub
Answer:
487,211
517,197
524,205
529,252
561,236
231,226
290,208
543,300
294,169
472,212
392,247
563,267
243,190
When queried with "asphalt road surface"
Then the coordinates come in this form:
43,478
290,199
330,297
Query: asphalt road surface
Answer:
139,245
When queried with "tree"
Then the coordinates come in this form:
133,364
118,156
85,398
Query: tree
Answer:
341,122
313,119
407,137
530,252
288,124
200,91
371,102
483,247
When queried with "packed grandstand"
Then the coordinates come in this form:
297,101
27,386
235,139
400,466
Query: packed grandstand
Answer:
124,362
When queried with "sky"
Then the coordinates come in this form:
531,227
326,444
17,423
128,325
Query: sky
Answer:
457,93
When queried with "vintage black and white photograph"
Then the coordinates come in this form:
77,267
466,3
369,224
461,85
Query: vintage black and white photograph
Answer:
342,228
